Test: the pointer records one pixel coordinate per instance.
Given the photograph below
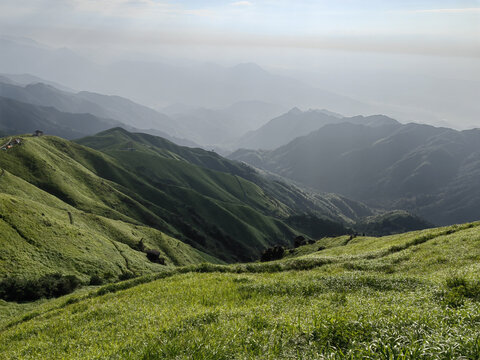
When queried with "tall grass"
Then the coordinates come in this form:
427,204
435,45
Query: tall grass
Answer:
356,301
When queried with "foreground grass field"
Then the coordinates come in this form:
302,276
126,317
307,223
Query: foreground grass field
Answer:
409,296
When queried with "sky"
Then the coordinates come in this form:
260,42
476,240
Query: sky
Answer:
410,58
441,27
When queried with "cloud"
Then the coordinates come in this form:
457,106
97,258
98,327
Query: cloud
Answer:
448,11
242,3
123,8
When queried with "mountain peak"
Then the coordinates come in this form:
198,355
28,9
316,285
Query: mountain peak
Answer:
295,111
39,85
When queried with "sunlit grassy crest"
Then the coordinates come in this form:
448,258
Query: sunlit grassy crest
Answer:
409,296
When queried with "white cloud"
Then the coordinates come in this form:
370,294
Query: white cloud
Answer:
454,10
242,3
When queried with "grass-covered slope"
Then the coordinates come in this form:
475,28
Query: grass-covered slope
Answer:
230,206
220,207
217,211
409,296
41,235
117,142
56,216
78,176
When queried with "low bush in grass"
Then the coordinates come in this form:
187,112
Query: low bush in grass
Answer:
273,253
126,276
154,256
458,289
96,280
47,286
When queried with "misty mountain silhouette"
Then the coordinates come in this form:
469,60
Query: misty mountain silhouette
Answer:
421,168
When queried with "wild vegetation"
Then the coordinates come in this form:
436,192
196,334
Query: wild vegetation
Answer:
407,296
47,286
107,222
53,220
143,205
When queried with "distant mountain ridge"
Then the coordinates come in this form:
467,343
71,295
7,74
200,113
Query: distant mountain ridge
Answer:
295,123
21,118
28,79
419,168
190,127
160,84
222,126
112,107
87,108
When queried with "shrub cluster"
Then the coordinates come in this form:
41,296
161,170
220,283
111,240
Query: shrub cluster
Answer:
273,253
154,256
126,276
47,286
95,280
300,241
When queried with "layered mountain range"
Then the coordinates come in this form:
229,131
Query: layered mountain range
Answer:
375,159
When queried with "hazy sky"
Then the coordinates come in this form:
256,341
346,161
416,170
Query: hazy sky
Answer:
440,27
411,59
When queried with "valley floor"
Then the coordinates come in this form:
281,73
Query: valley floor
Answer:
409,296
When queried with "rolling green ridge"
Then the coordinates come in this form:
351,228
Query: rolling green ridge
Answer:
221,208
224,194
42,235
56,216
410,296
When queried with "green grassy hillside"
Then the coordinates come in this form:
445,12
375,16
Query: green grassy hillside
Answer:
93,182
41,234
409,296
56,216
116,141
235,213
221,208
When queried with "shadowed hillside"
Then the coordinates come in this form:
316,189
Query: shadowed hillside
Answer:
283,129
89,108
19,118
420,168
